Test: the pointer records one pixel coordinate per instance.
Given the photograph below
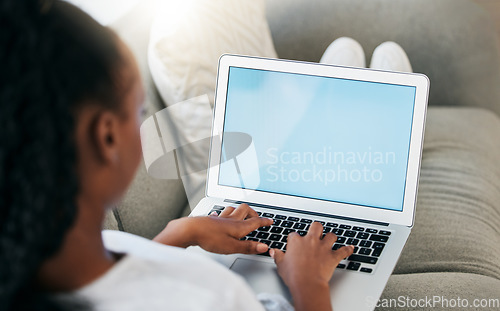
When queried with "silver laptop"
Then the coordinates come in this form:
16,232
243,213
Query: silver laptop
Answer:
302,142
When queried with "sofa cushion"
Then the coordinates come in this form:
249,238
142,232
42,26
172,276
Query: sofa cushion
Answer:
437,287
457,225
186,43
110,221
150,204
454,42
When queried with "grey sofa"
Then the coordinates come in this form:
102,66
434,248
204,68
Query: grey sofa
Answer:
454,249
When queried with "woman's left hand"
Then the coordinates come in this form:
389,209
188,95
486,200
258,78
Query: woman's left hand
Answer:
218,234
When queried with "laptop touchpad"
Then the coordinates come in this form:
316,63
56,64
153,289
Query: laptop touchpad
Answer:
261,276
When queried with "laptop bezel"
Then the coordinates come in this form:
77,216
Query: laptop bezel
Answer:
404,217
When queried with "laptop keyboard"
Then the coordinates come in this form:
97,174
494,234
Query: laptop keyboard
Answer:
368,242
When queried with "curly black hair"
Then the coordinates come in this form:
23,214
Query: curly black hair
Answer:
53,58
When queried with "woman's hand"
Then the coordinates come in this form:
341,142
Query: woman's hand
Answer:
308,265
217,234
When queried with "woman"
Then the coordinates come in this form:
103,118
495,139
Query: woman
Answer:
70,106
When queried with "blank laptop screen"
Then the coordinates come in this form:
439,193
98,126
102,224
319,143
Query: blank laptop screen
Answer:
317,137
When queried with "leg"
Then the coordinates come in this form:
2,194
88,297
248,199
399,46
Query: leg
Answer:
390,56
344,51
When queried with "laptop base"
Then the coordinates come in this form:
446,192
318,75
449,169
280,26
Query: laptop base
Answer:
349,290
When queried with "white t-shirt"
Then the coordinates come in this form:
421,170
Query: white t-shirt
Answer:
154,277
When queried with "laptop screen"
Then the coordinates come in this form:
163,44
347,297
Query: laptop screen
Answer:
317,137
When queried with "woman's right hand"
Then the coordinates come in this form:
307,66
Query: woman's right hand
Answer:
308,265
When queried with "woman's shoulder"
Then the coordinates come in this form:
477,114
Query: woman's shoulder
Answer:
127,243
163,263
154,276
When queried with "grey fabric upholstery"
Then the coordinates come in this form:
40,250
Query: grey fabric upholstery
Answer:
110,221
457,225
444,285
150,204
451,41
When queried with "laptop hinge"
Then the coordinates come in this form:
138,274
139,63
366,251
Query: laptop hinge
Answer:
287,209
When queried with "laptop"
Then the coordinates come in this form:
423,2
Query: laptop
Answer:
302,142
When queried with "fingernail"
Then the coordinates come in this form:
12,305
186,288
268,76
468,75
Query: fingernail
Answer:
261,247
271,253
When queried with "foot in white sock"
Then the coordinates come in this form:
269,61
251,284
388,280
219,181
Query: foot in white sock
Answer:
390,56
344,52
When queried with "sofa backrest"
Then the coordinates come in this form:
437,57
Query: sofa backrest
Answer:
453,42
